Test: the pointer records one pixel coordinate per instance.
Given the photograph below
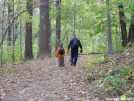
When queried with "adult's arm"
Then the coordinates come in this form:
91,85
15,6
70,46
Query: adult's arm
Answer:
69,45
80,44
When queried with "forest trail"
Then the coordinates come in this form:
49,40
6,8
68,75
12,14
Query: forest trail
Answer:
43,80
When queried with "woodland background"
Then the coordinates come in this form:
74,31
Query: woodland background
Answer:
33,29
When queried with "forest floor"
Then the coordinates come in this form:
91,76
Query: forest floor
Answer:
43,80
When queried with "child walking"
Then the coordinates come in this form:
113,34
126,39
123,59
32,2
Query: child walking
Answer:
60,52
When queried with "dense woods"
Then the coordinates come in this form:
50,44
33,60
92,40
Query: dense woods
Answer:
31,30
56,21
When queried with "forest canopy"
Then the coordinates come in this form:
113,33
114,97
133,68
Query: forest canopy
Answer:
102,26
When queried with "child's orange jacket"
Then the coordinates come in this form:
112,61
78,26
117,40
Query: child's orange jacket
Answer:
57,53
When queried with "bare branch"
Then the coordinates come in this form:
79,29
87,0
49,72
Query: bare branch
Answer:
19,15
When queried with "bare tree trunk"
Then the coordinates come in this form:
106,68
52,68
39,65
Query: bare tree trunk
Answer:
110,45
92,44
50,32
28,36
74,15
58,23
123,25
20,39
131,30
9,21
20,35
2,25
13,55
44,33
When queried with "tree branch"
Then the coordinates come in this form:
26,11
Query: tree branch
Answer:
19,15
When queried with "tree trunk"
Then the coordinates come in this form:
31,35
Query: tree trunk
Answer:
131,30
74,15
2,27
44,33
123,25
13,54
9,21
28,36
58,23
110,45
20,31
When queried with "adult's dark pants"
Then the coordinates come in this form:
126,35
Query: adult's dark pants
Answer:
74,56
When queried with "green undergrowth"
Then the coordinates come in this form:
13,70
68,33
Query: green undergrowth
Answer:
110,81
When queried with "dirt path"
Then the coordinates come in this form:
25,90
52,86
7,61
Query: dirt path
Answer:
43,80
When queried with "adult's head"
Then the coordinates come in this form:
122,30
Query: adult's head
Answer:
61,44
74,35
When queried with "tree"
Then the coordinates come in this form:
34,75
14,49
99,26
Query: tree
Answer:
110,45
123,25
2,29
44,31
131,30
9,21
28,36
58,23
20,31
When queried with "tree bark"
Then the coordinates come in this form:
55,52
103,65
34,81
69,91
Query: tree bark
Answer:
44,31
109,36
9,21
2,29
131,30
123,25
28,36
58,23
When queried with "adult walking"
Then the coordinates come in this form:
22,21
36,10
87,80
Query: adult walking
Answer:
74,44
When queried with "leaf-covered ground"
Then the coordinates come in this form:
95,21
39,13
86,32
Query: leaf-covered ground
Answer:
43,80
112,77
95,78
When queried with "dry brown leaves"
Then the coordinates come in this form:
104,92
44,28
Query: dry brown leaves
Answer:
43,80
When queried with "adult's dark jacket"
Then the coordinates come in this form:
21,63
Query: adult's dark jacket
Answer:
74,49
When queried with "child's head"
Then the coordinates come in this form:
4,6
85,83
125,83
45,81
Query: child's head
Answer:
61,44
